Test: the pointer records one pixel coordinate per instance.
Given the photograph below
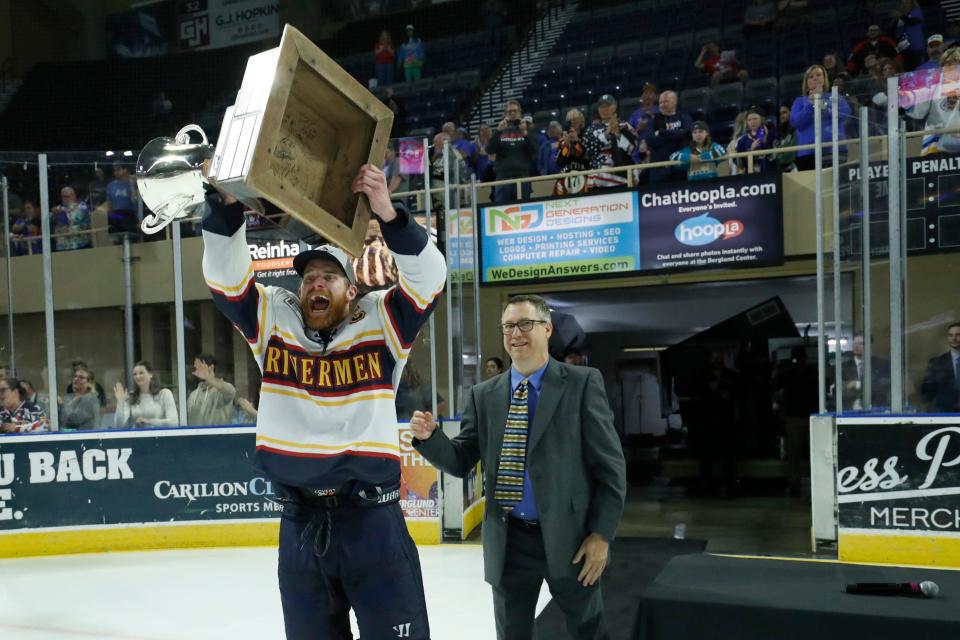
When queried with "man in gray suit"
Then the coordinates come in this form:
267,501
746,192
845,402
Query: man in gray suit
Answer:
554,505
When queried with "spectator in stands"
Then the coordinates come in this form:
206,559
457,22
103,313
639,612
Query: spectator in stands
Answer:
702,156
97,189
609,143
515,146
876,43
148,405
786,137
412,56
759,16
17,413
936,103
211,402
25,231
35,397
482,162
649,107
908,33
91,381
396,180
121,203
456,166
547,153
756,137
493,367
671,132
721,66
81,408
384,58
399,127
71,217
802,115
460,141
572,156
831,64
934,50
246,413
886,68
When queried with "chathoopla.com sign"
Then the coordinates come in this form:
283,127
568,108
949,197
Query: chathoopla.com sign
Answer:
569,237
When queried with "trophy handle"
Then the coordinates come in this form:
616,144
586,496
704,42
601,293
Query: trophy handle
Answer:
183,136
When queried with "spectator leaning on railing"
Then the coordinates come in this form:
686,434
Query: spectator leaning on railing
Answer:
71,217
609,143
671,132
515,148
17,413
80,409
802,115
572,156
702,156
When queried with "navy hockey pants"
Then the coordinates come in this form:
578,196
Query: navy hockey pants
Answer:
350,557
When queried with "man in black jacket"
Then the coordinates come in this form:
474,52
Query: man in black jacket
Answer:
515,147
941,382
671,132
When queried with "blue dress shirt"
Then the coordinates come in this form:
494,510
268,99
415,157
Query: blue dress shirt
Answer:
526,509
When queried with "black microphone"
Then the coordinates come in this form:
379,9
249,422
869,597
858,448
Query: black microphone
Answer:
925,589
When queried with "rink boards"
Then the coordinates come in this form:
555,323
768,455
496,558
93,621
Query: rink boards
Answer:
160,488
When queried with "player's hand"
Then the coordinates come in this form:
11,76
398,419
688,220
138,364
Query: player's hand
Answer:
503,124
422,424
120,392
227,198
371,181
595,551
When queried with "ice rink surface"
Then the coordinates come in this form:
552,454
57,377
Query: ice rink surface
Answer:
206,594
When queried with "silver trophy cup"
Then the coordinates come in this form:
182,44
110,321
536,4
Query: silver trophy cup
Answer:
170,177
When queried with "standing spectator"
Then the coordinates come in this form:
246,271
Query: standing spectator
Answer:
547,153
396,105
456,167
876,43
17,413
755,138
81,408
721,66
886,68
934,50
941,381
802,115
515,148
396,180
609,143
786,137
460,141
148,405
211,402
702,157
72,218
831,64
412,57
482,163
642,118
759,16
572,156
671,132
908,33
97,189
35,397
937,105
493,367
121,203
384,58
26,231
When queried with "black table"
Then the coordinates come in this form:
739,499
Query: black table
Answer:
717,597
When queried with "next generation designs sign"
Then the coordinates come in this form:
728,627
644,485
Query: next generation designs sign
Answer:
583,236
732,222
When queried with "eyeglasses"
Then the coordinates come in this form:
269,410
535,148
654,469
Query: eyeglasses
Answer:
81,377
526,326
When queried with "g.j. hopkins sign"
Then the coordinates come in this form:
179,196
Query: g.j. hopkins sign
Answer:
900,475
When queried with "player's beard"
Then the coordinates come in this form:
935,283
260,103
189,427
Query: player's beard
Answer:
335,313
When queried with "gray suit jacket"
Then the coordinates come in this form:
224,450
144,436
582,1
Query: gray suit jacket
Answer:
574,457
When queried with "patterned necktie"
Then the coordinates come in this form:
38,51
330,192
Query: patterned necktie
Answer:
513,454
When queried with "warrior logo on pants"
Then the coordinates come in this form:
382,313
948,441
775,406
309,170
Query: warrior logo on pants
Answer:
403,630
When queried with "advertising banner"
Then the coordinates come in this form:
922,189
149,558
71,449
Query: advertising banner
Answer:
561,238
460,258
272,251
899,479
726,223
157,476
731,222
212,24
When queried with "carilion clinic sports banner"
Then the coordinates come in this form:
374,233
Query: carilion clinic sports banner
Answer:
730,222
562,238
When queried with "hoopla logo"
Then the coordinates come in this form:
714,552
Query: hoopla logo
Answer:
696,232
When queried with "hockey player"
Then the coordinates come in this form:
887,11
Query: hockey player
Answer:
327,428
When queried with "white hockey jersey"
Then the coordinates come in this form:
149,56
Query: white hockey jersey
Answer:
326,413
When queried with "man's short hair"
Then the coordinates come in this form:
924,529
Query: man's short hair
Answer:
952,325
538,303
206,358
510,102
